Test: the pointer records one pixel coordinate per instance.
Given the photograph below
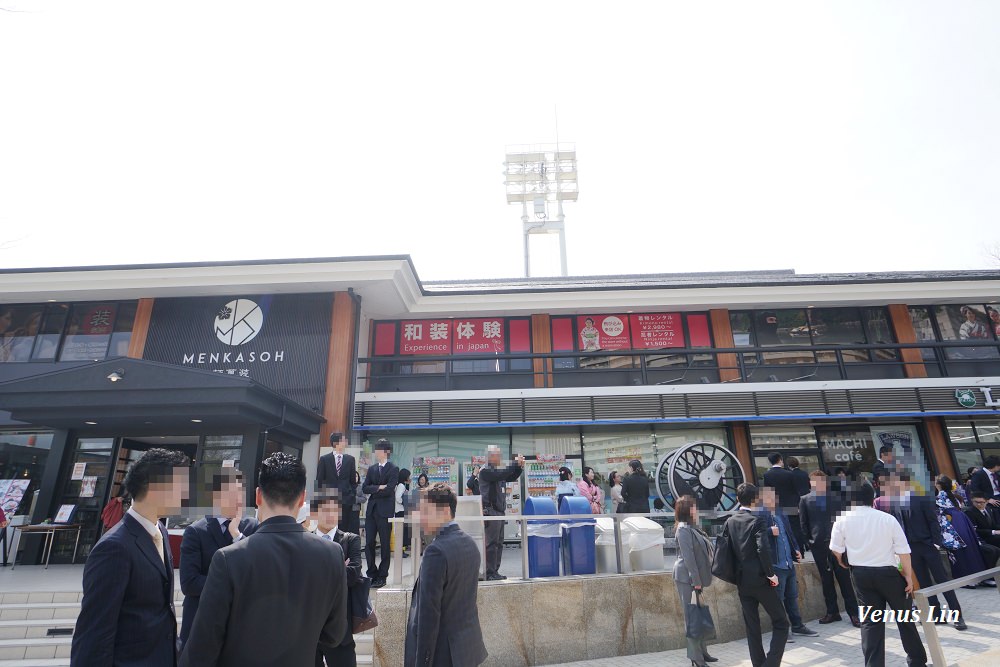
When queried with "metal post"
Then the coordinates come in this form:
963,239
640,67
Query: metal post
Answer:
527,245
562,242
930,632
416,540
397,552
618,542
524,547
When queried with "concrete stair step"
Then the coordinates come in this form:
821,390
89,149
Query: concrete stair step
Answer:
35,649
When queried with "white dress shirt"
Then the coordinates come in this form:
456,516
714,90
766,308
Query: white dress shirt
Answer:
871,537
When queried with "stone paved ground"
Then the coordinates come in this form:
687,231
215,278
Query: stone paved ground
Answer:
839,644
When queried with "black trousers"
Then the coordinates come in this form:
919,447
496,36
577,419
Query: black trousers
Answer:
829,571
990,554
930,570
494,546
350,521
752,597
342,656
878,587
377,526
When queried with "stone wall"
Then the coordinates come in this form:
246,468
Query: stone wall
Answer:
545,621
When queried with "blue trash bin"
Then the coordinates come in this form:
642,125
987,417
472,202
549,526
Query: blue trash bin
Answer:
543,538
579,539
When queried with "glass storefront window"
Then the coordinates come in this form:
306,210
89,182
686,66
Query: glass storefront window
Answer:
837,326
967,458
23,455
89,331
920,317
565,442
122,335
988,430
968,323
768,438
961,434
18,327
47,341
86,494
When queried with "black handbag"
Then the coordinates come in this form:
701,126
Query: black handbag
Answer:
363,616
698,623
725,566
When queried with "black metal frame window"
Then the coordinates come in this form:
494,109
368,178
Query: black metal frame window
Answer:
972,441
976,327
821,338
67,332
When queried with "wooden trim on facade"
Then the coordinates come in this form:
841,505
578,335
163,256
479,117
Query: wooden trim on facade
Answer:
722,336
541,342
743,449
140,328
938,445
340,368
902,327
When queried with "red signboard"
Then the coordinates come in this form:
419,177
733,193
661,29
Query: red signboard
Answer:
654,331
479,336
602,332
430,337
699,330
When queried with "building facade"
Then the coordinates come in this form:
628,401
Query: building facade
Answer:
231,361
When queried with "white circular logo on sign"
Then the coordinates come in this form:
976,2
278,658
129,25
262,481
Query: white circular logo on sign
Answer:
613,326
239,322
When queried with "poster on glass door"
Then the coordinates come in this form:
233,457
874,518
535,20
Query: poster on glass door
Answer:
907,452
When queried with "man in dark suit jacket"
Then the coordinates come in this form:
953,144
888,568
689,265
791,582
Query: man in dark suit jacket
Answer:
984,480
882,468
801,477
758,582
817,511
209,534
327,507
443,627
917,514
380,487
985,519
336,471
271,598
787,485
127,616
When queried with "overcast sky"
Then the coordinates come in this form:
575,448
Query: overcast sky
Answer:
817,136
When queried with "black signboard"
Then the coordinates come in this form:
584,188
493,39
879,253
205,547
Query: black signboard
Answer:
281,341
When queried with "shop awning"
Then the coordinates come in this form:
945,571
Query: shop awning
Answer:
135,396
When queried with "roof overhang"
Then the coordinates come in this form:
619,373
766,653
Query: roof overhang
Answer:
152,397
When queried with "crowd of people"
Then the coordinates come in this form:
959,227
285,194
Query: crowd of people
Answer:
878,540
296,593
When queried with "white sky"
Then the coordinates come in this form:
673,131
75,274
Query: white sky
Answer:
711,136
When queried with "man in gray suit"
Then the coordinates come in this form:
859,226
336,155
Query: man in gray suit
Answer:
443,627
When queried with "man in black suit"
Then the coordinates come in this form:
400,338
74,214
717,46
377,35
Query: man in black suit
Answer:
917,514
327,507
127,616
818,510
272,598
985,520
985,481
380,487
802,486
209,534
882,467
336,471
443,627
758,583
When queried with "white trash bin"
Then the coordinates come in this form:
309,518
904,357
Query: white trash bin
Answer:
645,541
472,506
604,533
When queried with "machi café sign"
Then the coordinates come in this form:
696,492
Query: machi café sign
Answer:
967,398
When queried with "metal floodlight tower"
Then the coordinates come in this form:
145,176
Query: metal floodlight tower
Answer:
542,177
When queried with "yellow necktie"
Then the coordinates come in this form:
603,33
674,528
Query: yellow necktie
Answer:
158,541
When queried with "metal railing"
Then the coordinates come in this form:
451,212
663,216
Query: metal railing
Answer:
920,598
398,577
689,365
